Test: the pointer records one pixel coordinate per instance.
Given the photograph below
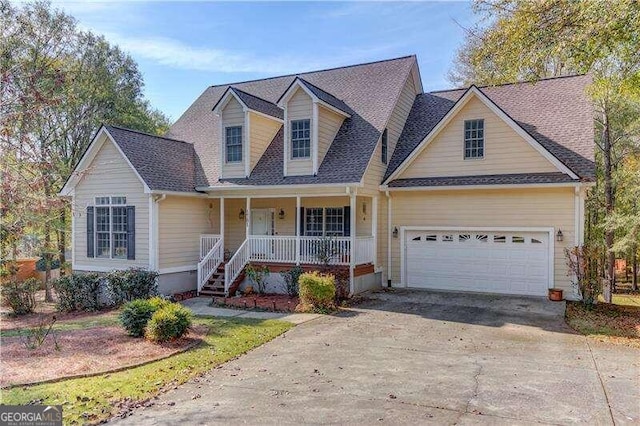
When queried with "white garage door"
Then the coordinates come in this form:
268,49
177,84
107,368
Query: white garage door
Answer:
493,262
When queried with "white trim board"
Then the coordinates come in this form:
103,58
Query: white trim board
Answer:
299,83
472,187
473,91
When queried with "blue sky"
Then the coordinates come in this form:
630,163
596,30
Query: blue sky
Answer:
183,47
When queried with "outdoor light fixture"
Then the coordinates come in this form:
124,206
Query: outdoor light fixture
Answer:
559,236
241,214
395,232
281,214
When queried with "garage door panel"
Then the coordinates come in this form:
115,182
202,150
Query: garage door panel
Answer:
498,262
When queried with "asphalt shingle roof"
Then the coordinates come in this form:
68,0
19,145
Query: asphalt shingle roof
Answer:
509,179
556,112
163,163
258,104
327,97
365,89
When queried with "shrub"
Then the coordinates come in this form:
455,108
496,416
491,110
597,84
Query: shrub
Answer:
317,291
136,314
170,322
291,278
131,284
41,264
342,280
584,266
258,276
20,296
78,292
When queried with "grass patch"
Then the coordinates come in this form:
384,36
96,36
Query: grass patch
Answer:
90,400
611,322
108,320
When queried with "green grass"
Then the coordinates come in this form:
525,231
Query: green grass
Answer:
108,320
96,398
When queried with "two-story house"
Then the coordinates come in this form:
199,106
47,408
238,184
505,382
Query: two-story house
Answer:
476,189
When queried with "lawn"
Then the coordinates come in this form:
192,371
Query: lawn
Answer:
92,399
618,322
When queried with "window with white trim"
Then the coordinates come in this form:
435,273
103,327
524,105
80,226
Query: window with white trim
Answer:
111,228
473,139
233,144
314,222
328,221
334,221
301,138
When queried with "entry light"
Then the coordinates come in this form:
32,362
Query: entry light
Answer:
241,214
395,232
559,236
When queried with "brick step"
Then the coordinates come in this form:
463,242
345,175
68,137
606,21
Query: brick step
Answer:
214,293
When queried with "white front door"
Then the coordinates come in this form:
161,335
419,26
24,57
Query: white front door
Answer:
261,222
492,262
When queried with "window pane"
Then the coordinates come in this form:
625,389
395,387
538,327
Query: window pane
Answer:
119,200
334,217
313,221
119,217
474,139
119,245
301,139
101,201
233,143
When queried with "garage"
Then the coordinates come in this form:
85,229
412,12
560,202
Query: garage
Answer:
500,261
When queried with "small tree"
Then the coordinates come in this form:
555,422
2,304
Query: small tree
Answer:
583,262
325,250
258,276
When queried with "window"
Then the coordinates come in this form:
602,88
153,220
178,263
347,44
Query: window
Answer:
447,238
327,221
233,141
464,237
384,147
109,229
473,139
301,138
431,237
517,239
499,238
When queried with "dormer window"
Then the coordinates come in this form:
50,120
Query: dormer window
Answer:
233,144
301,138
385,147
473,139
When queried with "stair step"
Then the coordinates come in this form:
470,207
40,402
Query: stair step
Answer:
205,292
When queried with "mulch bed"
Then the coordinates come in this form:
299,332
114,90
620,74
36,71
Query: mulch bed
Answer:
266,302
617,323
82,352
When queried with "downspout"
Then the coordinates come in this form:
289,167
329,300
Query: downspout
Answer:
154,234
388,238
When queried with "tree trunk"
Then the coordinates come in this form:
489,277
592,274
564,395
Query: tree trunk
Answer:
634,270
62,236
608,202
48,296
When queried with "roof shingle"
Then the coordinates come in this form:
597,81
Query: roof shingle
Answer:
508,179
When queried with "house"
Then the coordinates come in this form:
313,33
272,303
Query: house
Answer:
475,189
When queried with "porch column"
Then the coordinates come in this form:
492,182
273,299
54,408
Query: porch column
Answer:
297,222
352,242
222,220
374,231
247,216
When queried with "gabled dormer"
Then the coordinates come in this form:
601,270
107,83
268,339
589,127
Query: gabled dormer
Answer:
312,118
247,125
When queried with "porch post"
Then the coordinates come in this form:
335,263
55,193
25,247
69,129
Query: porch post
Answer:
374,231
222,220
297,222
247,217
352,242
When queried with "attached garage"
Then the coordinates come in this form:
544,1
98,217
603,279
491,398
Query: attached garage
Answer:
507,261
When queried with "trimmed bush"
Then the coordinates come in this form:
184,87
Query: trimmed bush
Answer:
78,292
170,322
317,291
136,314
291,278
20,296
131,284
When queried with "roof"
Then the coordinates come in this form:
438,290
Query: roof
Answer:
163,163
324,96
508,179
555,112
365,89
257,104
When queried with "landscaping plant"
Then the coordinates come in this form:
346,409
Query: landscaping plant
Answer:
583,265
317,291
258,276
291,278
137,313
78,292
131,284
170,322
20,296
36,336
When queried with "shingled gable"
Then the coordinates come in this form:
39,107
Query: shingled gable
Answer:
555,112
250,102
322,96
366,89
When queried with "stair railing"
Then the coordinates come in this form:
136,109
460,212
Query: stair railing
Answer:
236,264
210,263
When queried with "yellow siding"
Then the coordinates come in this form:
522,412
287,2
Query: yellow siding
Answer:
110,175
505,151
232,115
300,107
181,220
400,113
262,131
524,208
329,123
234,228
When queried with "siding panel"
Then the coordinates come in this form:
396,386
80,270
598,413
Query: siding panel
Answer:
233,115
329,123
300,107
262,131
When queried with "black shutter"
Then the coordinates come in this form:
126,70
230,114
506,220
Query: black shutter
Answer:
131,232
90,236
301,221
347,221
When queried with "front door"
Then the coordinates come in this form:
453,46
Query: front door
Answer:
261,222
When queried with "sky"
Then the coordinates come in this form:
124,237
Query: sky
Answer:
184,47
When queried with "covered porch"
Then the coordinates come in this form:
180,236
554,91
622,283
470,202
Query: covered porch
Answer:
276,230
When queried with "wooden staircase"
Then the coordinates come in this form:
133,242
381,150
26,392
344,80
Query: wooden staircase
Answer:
215,285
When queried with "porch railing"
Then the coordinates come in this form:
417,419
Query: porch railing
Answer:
207,241
211,261
365,250
235,265
317,250
276,249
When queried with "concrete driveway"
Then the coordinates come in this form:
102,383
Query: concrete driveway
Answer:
418,357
